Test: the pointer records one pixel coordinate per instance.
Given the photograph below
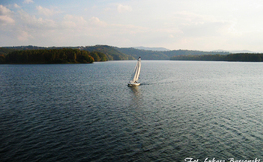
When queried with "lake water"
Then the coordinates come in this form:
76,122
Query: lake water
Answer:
86,112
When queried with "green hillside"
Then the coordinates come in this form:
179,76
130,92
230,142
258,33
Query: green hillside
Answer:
111,52
98,52
241,57
105,52
5,51
47,56
164,55
145,54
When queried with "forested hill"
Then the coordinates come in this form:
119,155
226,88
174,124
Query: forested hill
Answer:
105,52
51,56
243,57
5,51
145,54
163,55
116,53
111,52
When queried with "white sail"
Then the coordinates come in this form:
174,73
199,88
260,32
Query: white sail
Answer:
136,73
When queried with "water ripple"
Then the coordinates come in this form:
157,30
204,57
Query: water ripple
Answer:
181,109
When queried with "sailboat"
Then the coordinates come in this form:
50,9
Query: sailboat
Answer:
135,75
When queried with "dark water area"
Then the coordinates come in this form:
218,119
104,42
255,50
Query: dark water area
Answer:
86,112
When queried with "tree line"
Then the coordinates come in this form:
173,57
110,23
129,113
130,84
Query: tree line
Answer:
111,52
115,53
52,56
34,54
244,57
164,55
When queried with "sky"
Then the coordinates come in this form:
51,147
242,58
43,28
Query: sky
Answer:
173,24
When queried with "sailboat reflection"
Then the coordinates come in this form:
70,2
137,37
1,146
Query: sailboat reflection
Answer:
136,91
136,96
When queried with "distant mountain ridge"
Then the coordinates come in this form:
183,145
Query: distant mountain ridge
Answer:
242,51
152,48
163,55
244,57
235,51
131,53
109,51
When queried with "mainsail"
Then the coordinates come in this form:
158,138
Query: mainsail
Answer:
137,70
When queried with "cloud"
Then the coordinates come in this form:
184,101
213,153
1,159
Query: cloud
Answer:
198,25
31,21
16,6
4,10
77,22
46,11
6,20
28,1
96,21
123,8
193,18
23,36
5,16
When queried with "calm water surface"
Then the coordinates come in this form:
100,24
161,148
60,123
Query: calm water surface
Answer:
86,112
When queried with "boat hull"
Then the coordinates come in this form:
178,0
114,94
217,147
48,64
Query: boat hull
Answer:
133,84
